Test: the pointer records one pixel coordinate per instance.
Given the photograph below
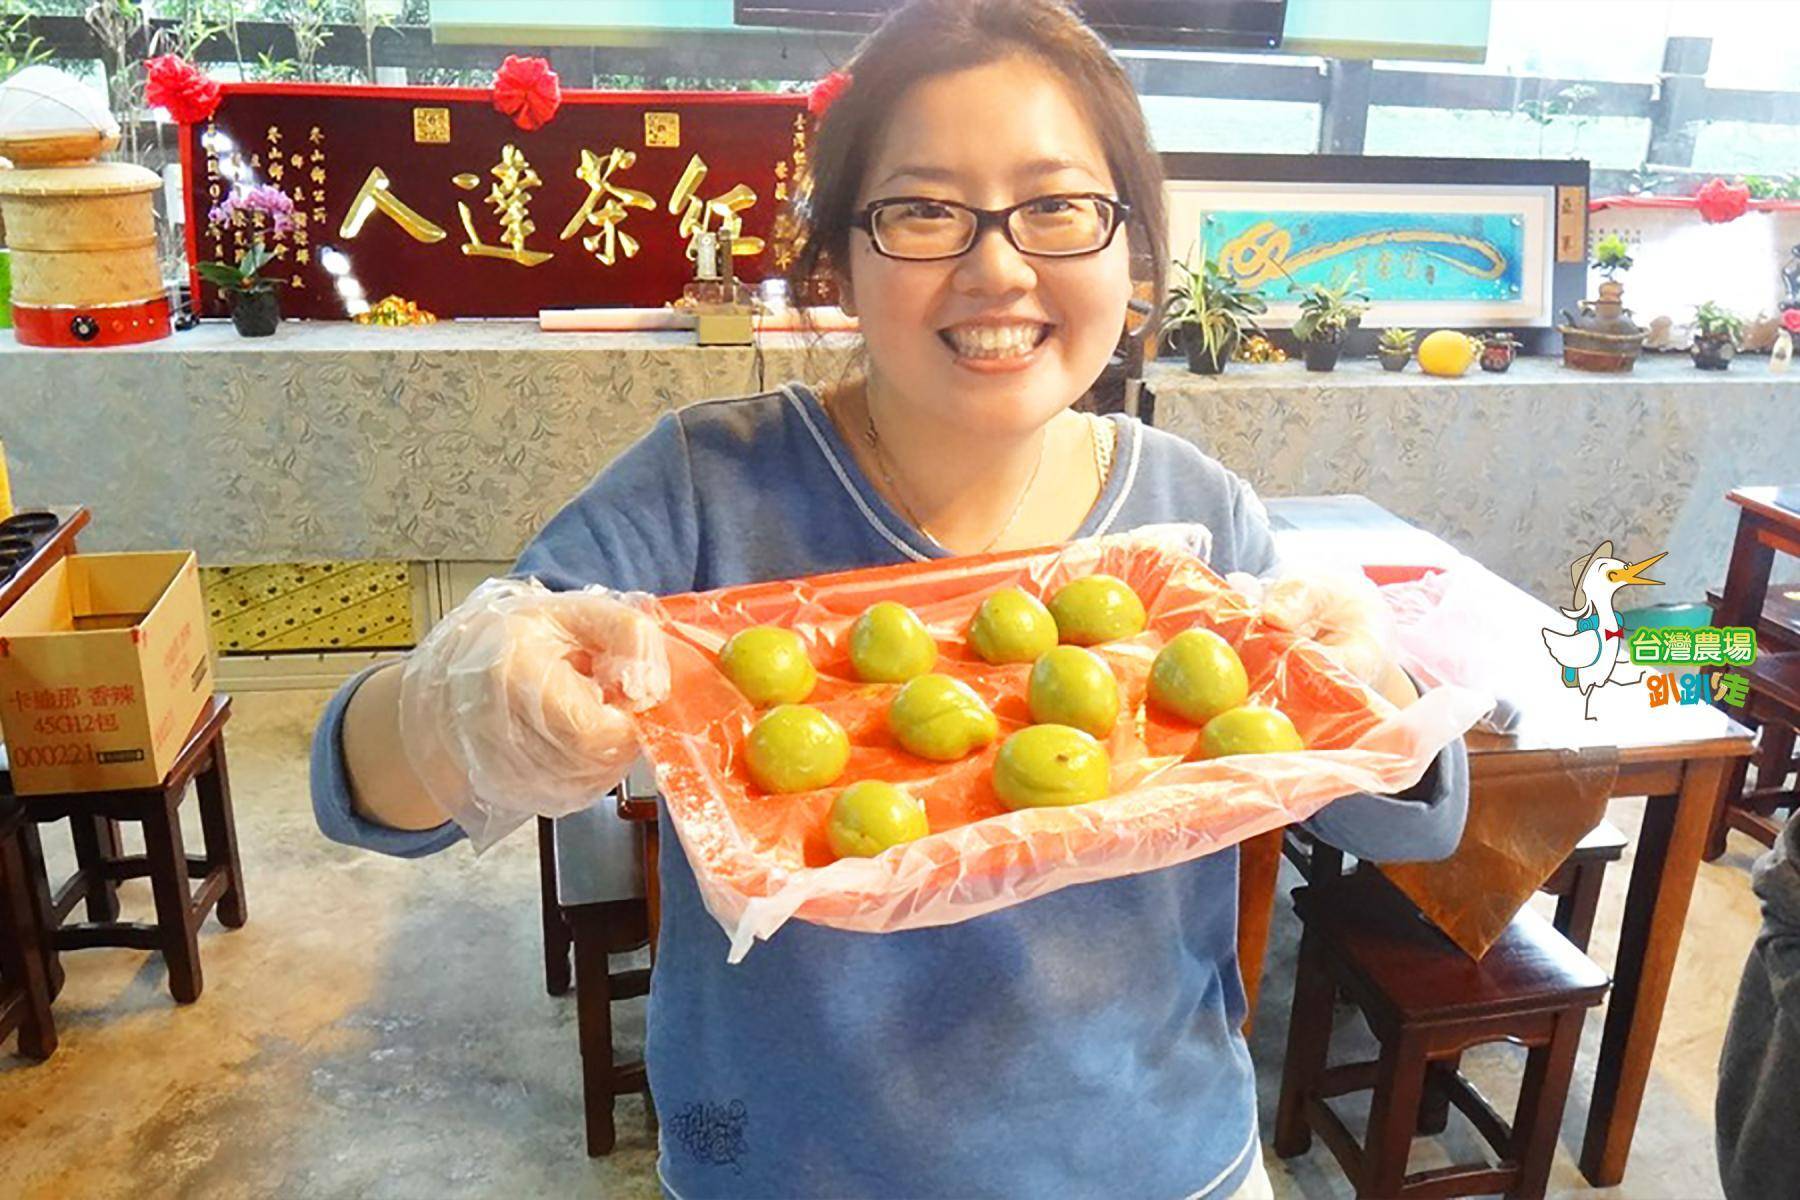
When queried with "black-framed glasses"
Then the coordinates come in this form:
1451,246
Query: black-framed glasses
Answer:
923,228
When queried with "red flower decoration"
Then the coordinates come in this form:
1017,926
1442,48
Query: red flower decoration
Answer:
173,83
1790,320
825,93
1719,201
526,89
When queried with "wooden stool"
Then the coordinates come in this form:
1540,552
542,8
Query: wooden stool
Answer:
1576,884
24,986
591,869
101,865
1773,704
1426,1003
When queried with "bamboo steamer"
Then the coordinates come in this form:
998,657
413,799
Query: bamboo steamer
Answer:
82,234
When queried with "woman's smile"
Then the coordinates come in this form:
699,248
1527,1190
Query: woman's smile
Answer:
996,346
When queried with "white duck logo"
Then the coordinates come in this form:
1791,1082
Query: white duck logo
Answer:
1594,655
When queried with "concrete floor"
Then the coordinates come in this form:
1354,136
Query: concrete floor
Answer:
380,1029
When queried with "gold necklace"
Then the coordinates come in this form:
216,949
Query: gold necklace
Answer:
873,437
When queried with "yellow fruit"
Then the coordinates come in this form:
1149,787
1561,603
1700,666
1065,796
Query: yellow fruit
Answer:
1197,676
869,816
769,665
1249,729
940,718
1072,686
1446,352
889,644
796,748
1046,765
1012,626
1095,609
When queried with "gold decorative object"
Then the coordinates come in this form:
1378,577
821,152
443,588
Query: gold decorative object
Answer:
431,126
1260,349
395,311
662,129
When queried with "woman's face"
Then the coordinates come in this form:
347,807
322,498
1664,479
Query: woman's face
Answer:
989,137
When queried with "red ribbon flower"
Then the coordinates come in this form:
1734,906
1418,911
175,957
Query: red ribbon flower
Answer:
526,89
825,93
173,83
1790,320
1719,201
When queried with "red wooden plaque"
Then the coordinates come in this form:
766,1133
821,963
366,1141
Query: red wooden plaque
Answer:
433,195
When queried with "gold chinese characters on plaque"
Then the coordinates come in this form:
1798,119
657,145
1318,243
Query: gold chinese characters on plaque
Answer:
431,126
587,209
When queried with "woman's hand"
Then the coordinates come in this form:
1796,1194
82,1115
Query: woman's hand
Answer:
518,702
1346,617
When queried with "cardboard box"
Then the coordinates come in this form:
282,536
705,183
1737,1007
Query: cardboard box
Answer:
104,668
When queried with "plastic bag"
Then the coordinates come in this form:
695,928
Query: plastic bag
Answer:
761,860
1461,625
517,703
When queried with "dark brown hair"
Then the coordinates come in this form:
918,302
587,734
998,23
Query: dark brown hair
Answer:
928,38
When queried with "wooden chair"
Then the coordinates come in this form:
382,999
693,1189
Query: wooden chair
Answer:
101,864
1773,704
594,869
1778,624
1427,1002
24,984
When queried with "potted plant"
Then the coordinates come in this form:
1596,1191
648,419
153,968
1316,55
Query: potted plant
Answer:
1209,312
1326,312
1604,337
1497,351
255,305
1395,348
1716,334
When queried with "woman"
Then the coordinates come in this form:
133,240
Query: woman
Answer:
969,191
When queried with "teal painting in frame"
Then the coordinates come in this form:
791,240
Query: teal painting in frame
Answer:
1400,255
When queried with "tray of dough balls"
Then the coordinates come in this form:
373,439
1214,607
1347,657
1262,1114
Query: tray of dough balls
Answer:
919,744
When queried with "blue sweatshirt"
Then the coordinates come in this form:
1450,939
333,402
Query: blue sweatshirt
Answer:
1085,1043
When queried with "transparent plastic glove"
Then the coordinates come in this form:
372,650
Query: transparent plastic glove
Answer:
1344,614
1186,537
518,703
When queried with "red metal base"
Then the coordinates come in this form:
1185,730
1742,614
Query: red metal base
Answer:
100,325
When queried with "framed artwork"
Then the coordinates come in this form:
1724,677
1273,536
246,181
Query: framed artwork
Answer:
1437,243
432,194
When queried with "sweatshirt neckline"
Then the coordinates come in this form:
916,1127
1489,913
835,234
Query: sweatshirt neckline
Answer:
894,528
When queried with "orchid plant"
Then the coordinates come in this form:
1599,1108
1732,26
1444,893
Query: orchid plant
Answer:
276,211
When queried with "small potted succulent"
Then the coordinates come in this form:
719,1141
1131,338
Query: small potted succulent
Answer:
1326,313
1716,334
1395,348
255,305
1498,350
1209,313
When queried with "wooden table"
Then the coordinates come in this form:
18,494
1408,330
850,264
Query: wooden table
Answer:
1764,527
1677,756
62,542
